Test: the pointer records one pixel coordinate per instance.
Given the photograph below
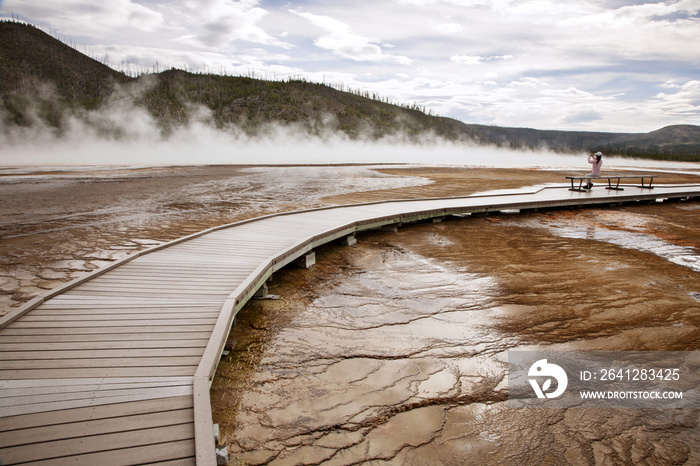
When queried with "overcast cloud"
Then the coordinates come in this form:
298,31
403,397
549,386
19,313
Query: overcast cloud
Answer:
602,65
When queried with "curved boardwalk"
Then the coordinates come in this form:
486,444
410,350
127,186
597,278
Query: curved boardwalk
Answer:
115,368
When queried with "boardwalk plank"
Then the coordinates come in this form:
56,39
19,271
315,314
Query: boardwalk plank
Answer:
77,388
172,329
128,394
95,346
106,381
108,411
95,363
149,282
178,453
83,402
146,282
126,309
51,433
105,443
122,280
104,314
110,304
136,339
46,354
129,321
144,293
127,299
178,264
162,371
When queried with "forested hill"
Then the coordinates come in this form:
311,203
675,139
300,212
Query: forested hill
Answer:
44,82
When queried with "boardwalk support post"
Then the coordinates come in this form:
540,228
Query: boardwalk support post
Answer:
349,240
222,456
307,260
262,291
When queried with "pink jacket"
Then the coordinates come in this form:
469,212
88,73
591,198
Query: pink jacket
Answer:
595,164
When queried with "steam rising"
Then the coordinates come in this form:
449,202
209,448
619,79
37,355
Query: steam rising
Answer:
123,134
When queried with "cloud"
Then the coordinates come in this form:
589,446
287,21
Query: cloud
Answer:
582,117
529,82
225,21
340,40
136,60
84,17
467,59
648,30
685,102
460,3
476,59
449,28
570,92
670,84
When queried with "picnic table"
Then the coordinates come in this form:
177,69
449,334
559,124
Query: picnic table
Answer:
610,177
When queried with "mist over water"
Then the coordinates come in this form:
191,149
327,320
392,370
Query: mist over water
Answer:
122,134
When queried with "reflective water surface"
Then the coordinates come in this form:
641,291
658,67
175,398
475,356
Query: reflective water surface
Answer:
59,225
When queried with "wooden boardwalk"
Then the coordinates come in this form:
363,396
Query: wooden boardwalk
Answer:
115,368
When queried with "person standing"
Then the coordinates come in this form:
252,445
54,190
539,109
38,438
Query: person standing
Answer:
596,161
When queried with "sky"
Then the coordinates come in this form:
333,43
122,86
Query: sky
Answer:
584,65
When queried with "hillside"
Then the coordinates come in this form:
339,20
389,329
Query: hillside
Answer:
677,142
44,81
250,103
36,69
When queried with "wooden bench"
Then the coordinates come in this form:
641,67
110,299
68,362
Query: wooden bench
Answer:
610,177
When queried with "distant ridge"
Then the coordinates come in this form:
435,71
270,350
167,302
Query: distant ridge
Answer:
43,80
